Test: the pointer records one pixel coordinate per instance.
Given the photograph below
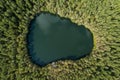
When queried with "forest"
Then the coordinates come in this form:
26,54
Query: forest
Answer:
102,17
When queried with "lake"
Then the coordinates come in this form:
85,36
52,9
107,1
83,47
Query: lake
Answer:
52,38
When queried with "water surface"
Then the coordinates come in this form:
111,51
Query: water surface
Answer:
53,38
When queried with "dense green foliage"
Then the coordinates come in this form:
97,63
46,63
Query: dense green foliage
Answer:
102,17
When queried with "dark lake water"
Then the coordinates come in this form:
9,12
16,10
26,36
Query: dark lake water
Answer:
52,38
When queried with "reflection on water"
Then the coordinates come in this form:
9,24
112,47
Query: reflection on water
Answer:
52,38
